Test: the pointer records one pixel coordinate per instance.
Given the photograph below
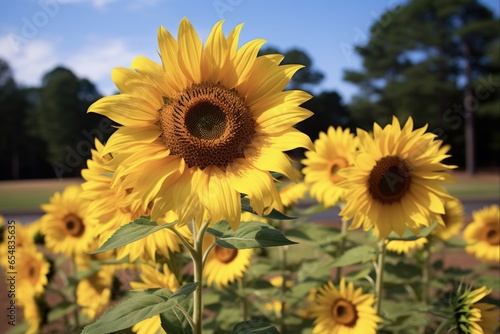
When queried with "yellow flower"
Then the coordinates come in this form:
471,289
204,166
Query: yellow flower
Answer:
483,234
396,180
32,270
473,317
344,310
224,265
20,234
115,207
67,223
451,222
93,293
205,127
152,278
335,150
404,246
292,193
32,315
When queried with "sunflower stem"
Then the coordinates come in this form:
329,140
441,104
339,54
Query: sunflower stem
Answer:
197,257
442,326
380,276
244,302
340,249
283,258
425,275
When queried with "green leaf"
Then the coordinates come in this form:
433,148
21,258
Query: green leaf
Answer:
220,228
140,306
174,320
359,254
314,232
255,327
251,235
138,229
245,206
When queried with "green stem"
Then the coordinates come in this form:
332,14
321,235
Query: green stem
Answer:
340,250
198,277
244,302
380,275
442,326
425,276
188,317
283,260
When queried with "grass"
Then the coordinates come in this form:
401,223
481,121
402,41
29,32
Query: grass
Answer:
27,195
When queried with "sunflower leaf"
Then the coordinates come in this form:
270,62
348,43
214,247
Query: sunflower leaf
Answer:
142,305
274,214
254,327
359,254
249,235
410,236
138,229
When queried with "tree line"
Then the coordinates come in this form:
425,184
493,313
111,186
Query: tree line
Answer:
436,60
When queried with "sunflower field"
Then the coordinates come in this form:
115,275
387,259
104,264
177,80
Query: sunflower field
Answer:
192,218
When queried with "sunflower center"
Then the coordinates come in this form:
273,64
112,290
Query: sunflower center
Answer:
225,255
74,225
336,165
207,124
389,180
33,273
492,235
344,313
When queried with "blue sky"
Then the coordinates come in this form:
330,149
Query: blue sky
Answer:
93,36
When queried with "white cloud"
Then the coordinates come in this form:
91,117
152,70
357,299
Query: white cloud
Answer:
94,3
96,61
30,61
93,61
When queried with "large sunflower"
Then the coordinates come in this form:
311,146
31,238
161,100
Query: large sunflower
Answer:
451,222
204,127
67,223
344,310
153,278
483,234
396,180
115,207
335,150
224,265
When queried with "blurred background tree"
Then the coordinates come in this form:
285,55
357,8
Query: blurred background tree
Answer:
427,59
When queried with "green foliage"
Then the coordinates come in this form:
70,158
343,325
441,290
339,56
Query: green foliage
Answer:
248,235
274,214
254,327
142,305
133,231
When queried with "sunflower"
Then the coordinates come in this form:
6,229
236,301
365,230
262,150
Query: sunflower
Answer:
67,223
32,270
93,293
292,193
224,265
31,314
335,150
473,317
483,234
152,278
344,310
451,222
205,127
396,180
115,207
404,246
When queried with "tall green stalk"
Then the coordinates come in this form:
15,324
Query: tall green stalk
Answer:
380,275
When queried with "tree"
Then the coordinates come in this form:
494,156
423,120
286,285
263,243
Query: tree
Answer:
421,60
60,119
